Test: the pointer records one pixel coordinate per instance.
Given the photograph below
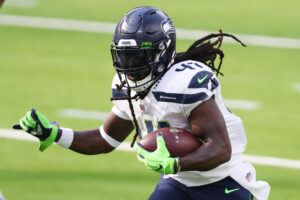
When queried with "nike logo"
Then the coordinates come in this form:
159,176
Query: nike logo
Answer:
160,166
229,191
201,80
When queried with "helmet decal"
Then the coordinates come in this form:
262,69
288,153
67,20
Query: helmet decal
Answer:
146,45
167,27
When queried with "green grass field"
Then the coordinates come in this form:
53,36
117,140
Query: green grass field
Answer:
52,70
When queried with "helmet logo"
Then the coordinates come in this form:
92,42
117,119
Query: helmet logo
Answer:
167,26
146,45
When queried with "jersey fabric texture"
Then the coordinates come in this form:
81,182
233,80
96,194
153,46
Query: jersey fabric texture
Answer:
169,103
227,188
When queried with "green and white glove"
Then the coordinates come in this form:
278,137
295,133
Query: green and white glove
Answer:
160,159
37,125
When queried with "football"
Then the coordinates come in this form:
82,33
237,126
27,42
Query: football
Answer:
178,141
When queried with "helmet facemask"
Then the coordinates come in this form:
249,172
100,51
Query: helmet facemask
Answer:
141,66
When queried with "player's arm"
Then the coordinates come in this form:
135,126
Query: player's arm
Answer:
103,140
207,122
115,130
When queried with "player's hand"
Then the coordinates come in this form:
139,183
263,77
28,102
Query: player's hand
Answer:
37,125
158,160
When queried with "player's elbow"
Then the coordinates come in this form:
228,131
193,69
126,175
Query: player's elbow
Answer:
96,149
108,149
225,152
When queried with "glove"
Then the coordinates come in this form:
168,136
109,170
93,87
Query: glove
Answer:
37,125
160,159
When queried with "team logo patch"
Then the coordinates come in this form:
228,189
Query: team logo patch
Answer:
142,107
174,130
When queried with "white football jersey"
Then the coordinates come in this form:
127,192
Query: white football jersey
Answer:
169,103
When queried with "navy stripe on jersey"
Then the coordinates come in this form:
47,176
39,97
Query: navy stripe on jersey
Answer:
179,98
214,84
200,80
149,125
118,93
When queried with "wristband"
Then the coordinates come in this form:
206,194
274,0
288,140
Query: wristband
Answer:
111,141
66,138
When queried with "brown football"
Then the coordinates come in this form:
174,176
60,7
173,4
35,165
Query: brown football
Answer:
179,142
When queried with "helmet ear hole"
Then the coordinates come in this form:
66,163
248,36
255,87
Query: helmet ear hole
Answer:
158,69
161,46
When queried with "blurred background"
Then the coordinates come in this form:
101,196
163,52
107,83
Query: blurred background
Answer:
55,57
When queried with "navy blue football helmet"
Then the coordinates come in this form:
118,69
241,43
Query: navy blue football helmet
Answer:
143,47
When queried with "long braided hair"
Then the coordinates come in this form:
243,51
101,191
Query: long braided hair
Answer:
202,50
205,51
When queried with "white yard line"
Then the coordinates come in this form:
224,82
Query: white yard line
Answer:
104,27
125,146
20,3
17,134
242,104
82,114
272,161
256,40
297,87
96,115
54,23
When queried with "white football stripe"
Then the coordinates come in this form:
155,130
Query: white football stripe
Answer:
125,146
104,27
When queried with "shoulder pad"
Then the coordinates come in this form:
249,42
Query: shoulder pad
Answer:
202,80
185,83
115,92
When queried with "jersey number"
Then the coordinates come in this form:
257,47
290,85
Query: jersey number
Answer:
150,126
189,65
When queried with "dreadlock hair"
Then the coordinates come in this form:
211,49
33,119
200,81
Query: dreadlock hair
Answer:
202,50
129,99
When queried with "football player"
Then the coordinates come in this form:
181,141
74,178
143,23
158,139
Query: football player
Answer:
154,88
